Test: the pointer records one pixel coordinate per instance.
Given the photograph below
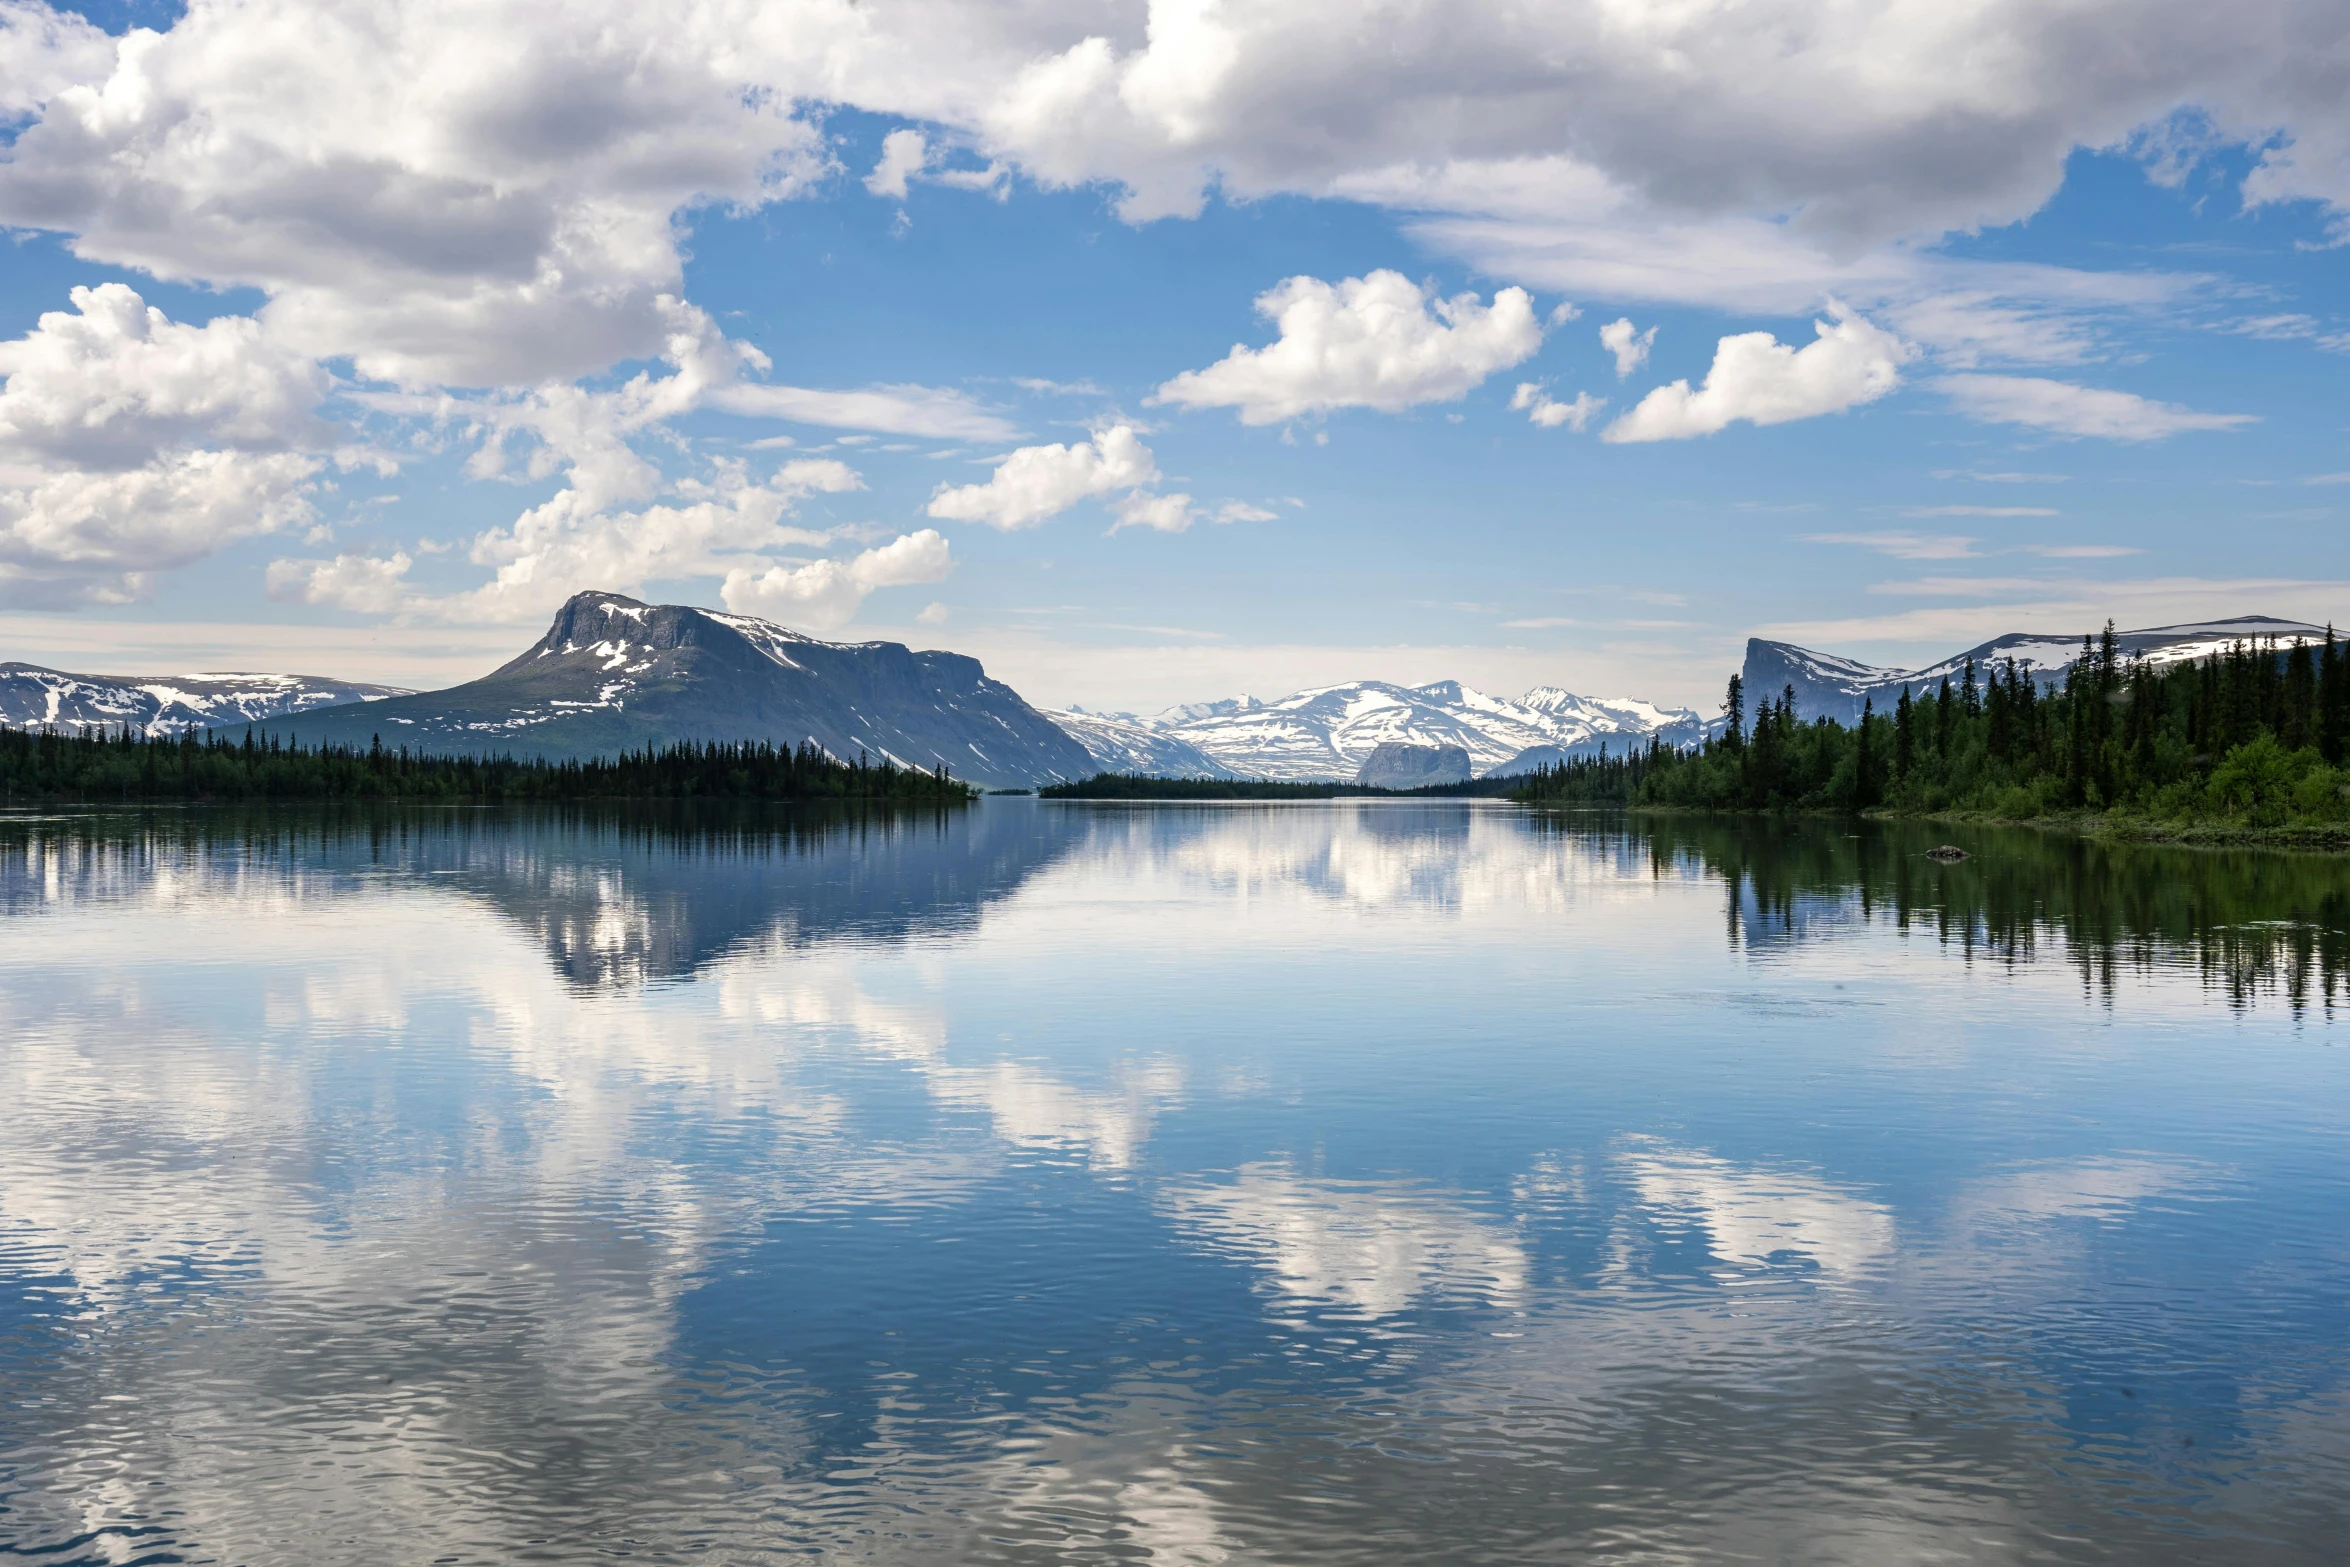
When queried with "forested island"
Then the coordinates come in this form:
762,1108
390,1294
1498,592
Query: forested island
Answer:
125,766
1140,786
2247,743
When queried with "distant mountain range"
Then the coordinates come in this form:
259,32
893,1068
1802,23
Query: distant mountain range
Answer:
1833,687
614,674
1330,731
159,705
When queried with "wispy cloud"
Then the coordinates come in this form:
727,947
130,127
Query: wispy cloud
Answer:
2010,477
1038,384
2280,328
1544,623
2061,408
1959,587
1981,511
2081,551
1904,546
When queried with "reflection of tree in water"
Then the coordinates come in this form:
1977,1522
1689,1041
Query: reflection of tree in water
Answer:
617,897
2252,923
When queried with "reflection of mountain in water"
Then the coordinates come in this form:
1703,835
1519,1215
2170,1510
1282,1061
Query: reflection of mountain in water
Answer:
629,897
624,900
616,898
2252,922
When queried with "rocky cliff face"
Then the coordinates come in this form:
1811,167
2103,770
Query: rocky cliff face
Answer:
613,674
1393,765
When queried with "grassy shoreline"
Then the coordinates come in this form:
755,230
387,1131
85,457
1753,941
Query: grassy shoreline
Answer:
2328,838
2302,837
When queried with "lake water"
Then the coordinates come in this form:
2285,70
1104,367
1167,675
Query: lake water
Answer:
1053,1183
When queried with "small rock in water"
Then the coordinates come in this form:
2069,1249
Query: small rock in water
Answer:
1948,854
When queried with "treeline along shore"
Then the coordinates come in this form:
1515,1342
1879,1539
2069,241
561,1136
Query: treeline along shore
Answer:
208,765
2246,743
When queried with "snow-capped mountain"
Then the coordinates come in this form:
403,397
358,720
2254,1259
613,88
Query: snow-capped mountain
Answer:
613,674
157,705
1837,687
1128,745
1329,732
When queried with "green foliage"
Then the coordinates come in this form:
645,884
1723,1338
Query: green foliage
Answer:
2252,737
212,766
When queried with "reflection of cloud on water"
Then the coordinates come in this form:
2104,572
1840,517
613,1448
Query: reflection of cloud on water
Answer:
450,1330
1366,1247
1464,858
1027,1106
1752,1215
1173,1522
2105,1189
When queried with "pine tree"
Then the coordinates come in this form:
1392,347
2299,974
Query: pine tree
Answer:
2297,718
1864,762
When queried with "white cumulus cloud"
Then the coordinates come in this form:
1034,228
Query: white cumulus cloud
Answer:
568,543
369,584
1547,411
1378,341
485,191
76,536
132,445
904,154
113,382
827,593
1037,482
1629,347
2062,408
1162,513
450,193
1756,377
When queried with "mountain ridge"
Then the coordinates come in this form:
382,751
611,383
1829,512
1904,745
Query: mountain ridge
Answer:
613,673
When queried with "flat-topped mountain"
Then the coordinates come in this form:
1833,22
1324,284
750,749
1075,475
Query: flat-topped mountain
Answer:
613,674
32,697
1828,686
1329,732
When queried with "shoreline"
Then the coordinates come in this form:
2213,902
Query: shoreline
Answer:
2306,838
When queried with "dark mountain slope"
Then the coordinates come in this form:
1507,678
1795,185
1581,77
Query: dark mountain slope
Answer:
613,674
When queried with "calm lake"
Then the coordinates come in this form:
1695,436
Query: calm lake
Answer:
1054,1183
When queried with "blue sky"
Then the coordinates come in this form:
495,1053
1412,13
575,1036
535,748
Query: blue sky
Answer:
2077,361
